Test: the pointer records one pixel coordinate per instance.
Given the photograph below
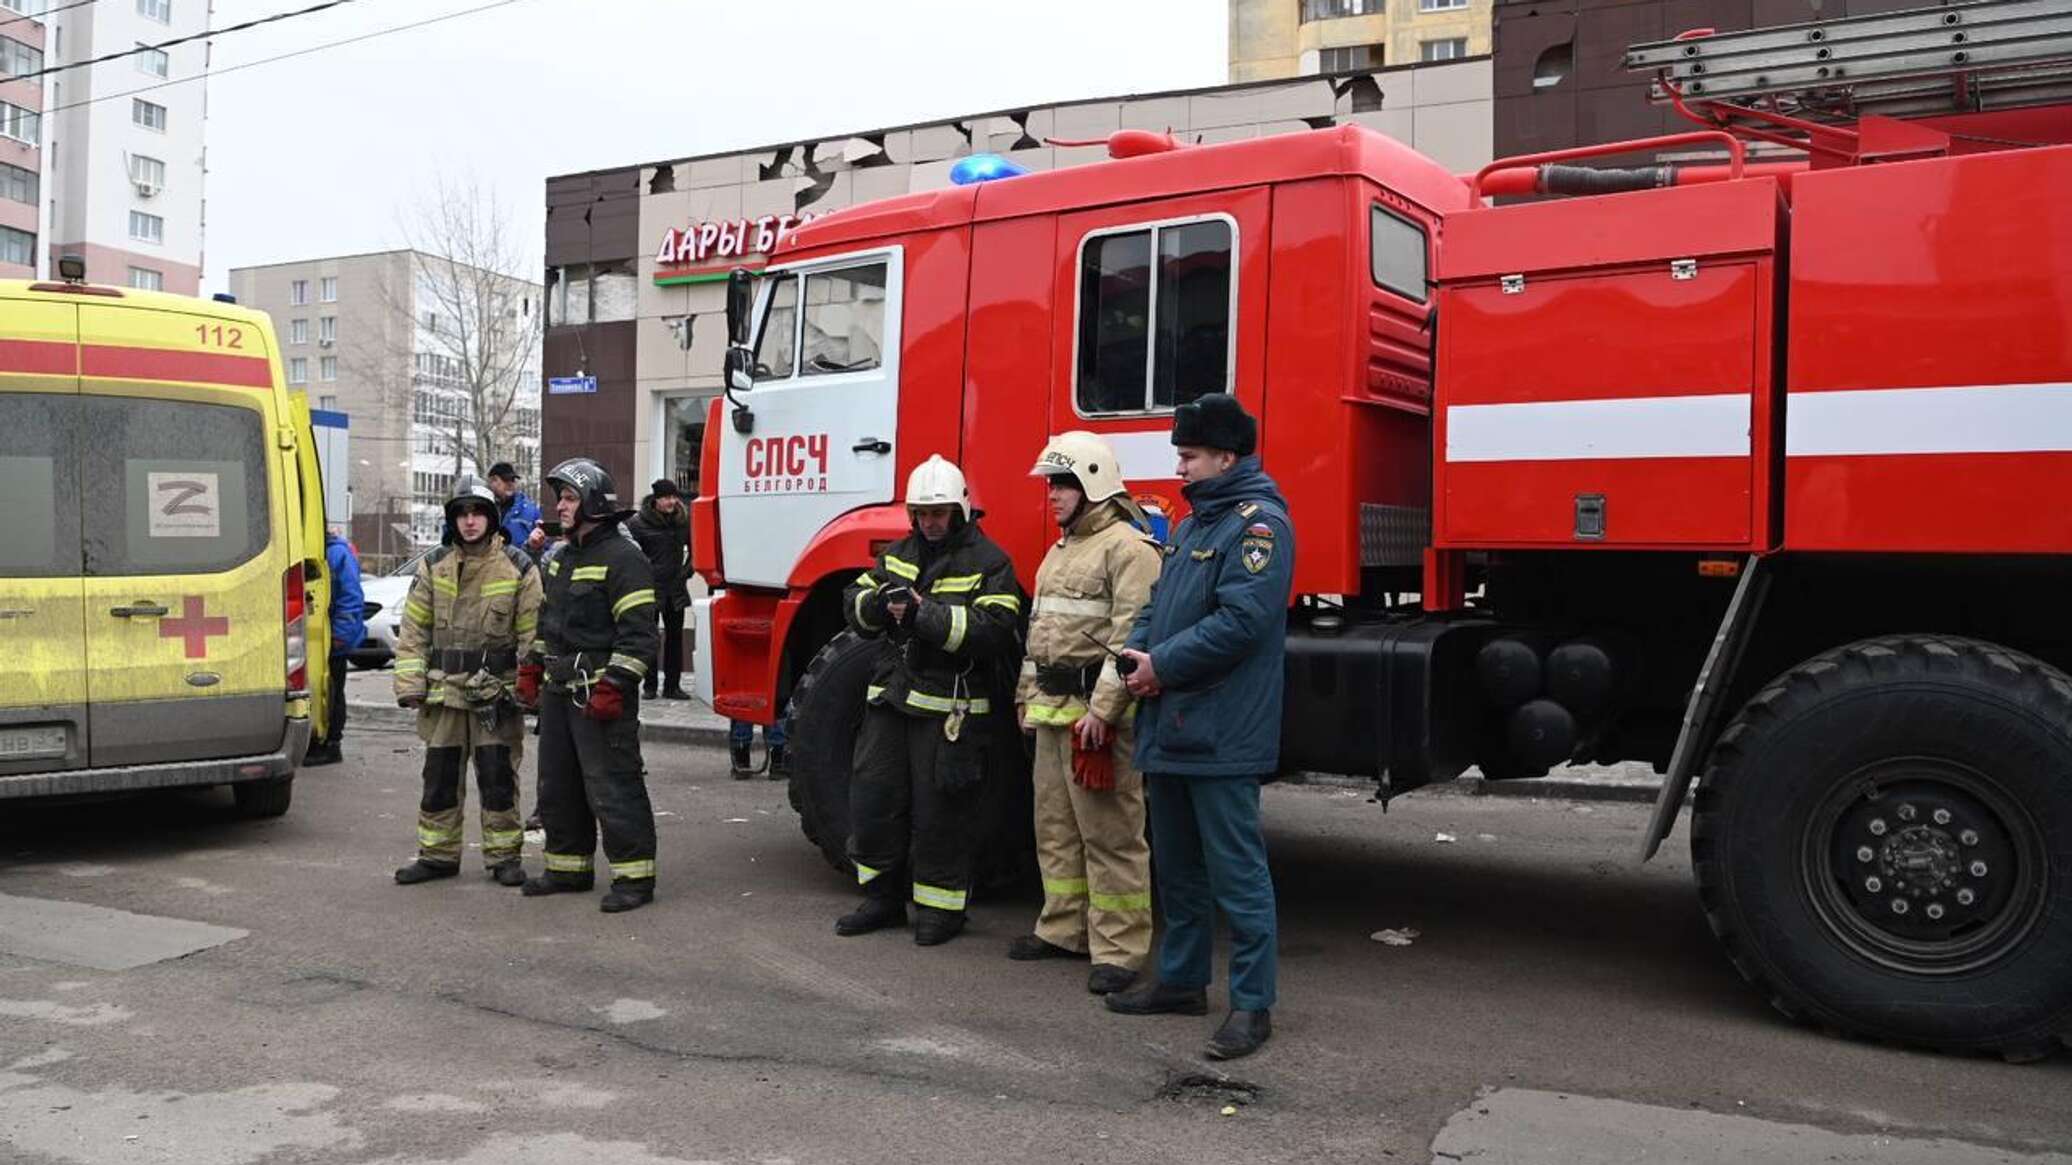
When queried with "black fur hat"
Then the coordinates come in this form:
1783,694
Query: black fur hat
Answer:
1216,421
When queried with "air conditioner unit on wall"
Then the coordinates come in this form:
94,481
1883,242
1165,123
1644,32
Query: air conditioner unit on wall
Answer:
147,189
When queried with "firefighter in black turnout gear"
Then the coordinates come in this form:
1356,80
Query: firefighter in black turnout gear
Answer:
946,607
596,646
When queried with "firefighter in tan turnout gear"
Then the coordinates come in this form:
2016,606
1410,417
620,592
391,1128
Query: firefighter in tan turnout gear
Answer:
469,619
945,606
1090,841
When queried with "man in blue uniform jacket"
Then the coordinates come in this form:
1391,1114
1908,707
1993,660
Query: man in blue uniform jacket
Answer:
1208,653
348,631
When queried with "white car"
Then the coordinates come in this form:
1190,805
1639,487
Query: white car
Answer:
388,590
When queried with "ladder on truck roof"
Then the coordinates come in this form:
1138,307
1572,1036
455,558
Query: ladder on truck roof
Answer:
1979,56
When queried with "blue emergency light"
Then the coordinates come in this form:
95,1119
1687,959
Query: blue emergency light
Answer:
983,168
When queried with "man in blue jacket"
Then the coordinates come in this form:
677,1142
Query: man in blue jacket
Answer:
520,513
1208,653
348,628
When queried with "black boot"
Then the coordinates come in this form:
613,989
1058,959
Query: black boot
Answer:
738,754
876,913
779,764
322,754
423,871
547,884
647,691
511,873
1241,1034
675,692
1107,979
933,927
1028,947
628,894
1158,999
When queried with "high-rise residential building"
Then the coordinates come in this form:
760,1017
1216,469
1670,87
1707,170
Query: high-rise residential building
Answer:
1271,39
437,366
123,154
21,138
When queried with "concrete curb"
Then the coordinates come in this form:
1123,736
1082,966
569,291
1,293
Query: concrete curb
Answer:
1553,788
390,716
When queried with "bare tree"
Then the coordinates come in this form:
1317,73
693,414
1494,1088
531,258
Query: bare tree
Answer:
471,327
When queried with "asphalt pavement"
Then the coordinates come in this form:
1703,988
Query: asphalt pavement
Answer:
268,994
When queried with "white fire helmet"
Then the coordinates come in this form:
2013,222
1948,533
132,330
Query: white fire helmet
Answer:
1087,457
936,482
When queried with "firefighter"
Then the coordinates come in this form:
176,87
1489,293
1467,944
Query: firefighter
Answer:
1089,797
596,646
469,619
945,604
1208,652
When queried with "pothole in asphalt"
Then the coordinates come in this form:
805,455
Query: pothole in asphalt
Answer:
1203,1088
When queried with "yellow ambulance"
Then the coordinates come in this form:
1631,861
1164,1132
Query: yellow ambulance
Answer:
162,572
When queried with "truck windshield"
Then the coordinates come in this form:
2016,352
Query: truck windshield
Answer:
777,347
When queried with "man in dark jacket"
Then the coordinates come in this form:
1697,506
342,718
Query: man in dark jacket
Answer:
1209,651
945,605
348,630
596,645
663,529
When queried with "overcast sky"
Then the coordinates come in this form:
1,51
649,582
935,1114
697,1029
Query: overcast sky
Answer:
323,154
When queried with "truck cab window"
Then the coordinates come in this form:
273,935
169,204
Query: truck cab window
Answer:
1399,251
775,348
1154,335
845,320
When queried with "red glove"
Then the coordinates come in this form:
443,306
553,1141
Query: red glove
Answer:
529,676
1093,769
606,701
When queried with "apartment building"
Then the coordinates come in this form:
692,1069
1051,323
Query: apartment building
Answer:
1298,38
21,138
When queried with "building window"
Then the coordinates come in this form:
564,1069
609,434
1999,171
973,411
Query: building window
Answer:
18,59
327,290
147,227
1450,48
298,292
431,322
1157,312
147,114
327,368
153,62
17,184
298,331
1341,60
147,172
1398,252
18,247
327,330
328,402
159,10
19,124
1333,9
298,370
1440,5
145,279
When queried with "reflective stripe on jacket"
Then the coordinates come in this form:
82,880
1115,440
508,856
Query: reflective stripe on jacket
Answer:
960,641
1093,581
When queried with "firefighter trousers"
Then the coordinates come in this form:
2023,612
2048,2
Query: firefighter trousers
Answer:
905,822
450,734
1211,854
1091,849
592,781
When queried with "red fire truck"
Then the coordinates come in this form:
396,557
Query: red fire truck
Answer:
1754,470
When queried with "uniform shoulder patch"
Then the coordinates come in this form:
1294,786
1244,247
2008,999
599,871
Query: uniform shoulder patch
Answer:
1259,530
1255,553
1247,509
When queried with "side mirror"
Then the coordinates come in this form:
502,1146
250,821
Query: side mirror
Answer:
740,369
740,305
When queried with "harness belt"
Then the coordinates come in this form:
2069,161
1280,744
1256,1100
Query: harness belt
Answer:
1066,679
462,660
575,670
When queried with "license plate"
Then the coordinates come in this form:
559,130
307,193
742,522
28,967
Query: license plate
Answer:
25,743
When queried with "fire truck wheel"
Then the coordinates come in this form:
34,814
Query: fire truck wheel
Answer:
826,712
1883,842
265,798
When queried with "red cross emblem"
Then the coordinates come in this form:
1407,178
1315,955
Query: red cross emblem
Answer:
195,627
